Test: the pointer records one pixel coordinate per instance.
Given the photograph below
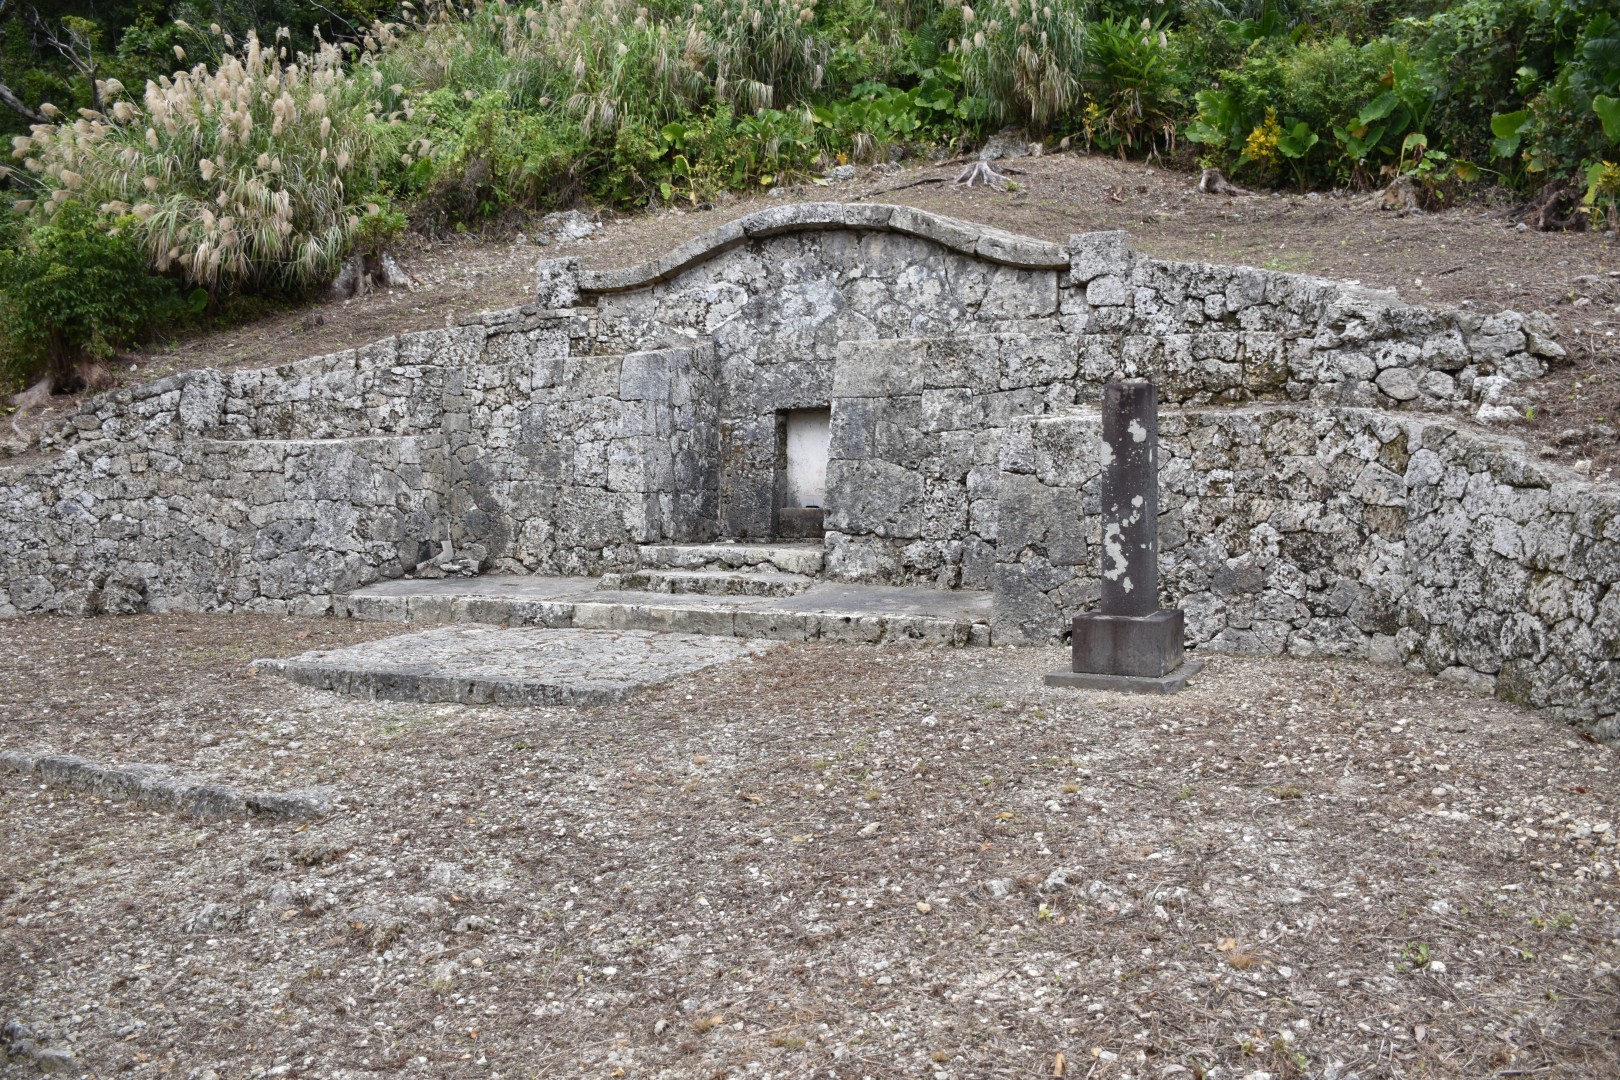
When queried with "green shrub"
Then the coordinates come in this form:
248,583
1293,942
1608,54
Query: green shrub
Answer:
607,62
1133,105
476,159
1477,50
1388,135
74,290
737,152
1320,84
1576,116
884,40
256,170
1208,41
1522,82
526,107
878,115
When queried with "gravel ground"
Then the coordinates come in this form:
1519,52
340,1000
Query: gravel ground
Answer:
825,861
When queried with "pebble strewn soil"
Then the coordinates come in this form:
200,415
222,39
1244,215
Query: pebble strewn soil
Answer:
827,861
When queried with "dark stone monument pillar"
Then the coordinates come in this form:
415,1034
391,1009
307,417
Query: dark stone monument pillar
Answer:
1130,498
1129,643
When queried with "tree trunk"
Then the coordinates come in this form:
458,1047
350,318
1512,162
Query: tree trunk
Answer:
14,103
1213,182
1558,208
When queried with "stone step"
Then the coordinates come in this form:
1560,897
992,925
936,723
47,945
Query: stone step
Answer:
786,558
709,582
854,614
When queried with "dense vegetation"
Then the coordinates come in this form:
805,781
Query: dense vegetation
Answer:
294,131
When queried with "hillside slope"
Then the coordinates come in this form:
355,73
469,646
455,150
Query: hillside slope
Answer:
1470,256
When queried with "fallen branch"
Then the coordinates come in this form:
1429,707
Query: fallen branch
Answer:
9,99
14,103
902,187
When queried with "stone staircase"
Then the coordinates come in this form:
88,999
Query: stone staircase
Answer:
721,570
518,639
769,591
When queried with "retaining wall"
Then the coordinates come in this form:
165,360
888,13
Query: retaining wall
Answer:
1337,532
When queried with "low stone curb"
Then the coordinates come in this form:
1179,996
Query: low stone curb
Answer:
18,1041
149,785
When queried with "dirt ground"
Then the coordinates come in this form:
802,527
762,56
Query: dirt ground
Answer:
829,861
1473,256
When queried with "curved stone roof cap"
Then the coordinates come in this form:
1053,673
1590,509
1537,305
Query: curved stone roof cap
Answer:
965,237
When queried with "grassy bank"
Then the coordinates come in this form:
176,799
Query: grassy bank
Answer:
268,157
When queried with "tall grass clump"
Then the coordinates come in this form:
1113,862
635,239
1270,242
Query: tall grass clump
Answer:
534,104
608,62
1025,57
253,173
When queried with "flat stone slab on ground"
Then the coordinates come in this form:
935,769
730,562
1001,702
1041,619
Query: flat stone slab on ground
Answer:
487,665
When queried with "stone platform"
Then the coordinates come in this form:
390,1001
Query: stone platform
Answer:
487,665
825,611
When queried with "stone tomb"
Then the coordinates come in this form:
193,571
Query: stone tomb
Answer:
1326,485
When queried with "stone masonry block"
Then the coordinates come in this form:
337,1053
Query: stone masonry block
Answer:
1092,255
879,368
1108,290
1142,646
646,376
557,283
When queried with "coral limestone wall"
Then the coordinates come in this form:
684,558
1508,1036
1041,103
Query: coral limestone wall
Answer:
1337,532
276,489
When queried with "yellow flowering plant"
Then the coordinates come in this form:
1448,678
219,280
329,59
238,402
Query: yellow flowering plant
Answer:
1260,148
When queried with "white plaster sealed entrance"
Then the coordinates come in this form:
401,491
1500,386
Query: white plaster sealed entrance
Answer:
809,432
803,436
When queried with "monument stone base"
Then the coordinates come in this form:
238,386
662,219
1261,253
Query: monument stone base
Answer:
1128,654
1171,683
1143,646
